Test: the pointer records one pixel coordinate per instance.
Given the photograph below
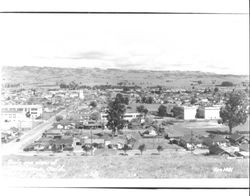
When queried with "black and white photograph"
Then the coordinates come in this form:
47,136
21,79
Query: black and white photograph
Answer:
146,93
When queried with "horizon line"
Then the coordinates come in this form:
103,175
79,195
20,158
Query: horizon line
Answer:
120,69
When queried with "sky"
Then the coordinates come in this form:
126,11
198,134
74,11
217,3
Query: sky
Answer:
208,43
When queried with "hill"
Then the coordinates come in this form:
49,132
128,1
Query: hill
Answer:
31,75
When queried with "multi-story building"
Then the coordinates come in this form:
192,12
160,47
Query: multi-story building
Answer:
20,112
212,112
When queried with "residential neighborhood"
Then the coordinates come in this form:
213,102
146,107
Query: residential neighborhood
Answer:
181,119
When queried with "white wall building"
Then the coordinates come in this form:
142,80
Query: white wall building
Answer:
212,112
127,116
189,112
81,95
20,112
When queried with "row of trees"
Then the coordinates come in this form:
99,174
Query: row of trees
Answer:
141,148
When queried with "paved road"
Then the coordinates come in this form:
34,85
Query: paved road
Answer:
28,137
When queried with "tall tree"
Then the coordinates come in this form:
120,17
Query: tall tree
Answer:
141,109
162,110
93,104
116,110
234,112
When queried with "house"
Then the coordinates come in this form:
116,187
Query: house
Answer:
99,143
149,132
243,150
190,142
216,150
92,125
65,143
117,143
54,134
135,124
214,139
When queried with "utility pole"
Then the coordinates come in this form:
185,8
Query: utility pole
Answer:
91,141
191,141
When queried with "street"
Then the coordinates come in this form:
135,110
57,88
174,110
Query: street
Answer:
14,147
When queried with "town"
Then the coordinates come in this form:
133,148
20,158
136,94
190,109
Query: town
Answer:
71,119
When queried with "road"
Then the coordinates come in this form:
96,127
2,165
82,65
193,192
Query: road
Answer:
14,147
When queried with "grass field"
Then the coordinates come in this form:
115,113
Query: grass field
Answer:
168,165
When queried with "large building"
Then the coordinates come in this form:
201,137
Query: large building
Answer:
189,112
127,116
20,112
212,112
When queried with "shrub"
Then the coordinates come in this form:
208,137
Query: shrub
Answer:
59,118
226,83
159,148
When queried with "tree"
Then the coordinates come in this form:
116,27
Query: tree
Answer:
162,110
159,148
125,149
115,113
150,100
178,112
234,112
73,85
142,148
193,100
124,100
62,85
27,114
95,116
86,148
226,83
200,113
93,104
59,118
141,109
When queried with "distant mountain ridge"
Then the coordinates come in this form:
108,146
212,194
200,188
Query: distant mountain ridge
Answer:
94,76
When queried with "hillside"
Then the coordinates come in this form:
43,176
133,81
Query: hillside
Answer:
168,165
87,76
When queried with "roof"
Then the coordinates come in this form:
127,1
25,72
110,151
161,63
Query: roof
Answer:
244,147
236,137
53,131
88,141
214,149
188,139
64,140
217,138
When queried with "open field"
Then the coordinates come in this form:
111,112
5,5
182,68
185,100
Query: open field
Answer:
168,165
